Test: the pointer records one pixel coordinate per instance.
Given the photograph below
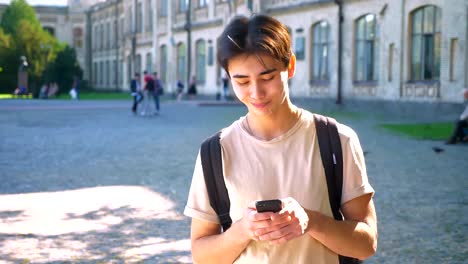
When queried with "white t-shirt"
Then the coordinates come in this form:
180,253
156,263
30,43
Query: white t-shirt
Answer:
287,166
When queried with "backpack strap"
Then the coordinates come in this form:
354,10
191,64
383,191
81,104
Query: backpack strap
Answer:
212,164
332,159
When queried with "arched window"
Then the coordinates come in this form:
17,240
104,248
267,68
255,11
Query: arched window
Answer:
321,51
201,60
181,62
425,43
366,60
163,63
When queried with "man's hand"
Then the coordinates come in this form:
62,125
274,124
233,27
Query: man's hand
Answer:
290,223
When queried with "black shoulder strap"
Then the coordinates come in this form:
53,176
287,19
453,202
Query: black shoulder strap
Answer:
212,164
332,159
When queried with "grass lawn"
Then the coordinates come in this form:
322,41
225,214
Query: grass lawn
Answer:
85,95
431,131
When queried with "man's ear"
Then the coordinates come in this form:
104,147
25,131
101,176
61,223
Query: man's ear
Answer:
292,66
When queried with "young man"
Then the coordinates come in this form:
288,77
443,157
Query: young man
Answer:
273,153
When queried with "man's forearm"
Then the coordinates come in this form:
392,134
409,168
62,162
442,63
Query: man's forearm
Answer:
347,238
221,248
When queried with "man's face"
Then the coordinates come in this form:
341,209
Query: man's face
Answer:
260,82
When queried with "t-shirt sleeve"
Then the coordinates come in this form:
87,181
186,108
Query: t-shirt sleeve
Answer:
355,181
198,203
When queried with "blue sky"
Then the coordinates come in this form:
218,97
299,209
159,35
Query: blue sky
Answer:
40,2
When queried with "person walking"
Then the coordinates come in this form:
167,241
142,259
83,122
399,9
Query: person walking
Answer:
158,90
192,91
458,133
148,92
135,89
272,153
180,90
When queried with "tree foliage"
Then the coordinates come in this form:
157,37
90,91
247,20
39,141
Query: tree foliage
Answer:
21,34
63,69
17,11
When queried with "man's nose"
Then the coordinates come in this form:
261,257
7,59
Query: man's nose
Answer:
257,91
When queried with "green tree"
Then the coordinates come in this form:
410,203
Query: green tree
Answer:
17,11
8,63
63,69
27,39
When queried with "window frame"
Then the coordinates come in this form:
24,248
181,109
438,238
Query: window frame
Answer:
420,39
366,45
318,45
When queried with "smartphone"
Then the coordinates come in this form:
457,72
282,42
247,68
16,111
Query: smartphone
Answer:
269,206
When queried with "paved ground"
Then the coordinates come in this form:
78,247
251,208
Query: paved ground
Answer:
87,182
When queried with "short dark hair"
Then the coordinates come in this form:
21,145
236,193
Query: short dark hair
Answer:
255,35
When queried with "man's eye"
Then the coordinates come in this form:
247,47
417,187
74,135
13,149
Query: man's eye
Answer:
268,78
242,83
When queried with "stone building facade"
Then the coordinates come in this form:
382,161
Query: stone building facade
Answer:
404,50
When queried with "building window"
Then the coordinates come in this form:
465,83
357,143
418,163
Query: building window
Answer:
115,73
150,16
299,47
425,43
163,11
202,3
250,5
51,30
390,62
366,60
101,73
101,36
95,73
139,18
77,37
210,55
108,35
321,51
149,63
182,6
201,60
138,64
163,62
453,57
120,74
95,38
130,70
107,74
181,62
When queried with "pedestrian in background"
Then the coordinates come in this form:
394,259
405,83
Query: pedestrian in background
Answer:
158,90
192,91
273,153
135,89
461,124
148,91
180,89
76,88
